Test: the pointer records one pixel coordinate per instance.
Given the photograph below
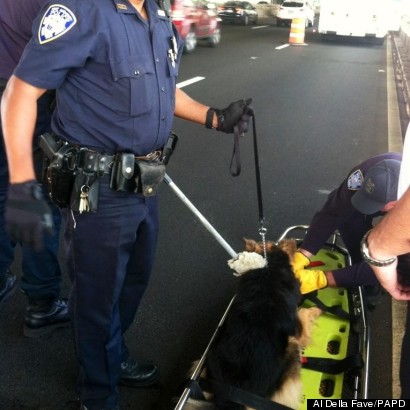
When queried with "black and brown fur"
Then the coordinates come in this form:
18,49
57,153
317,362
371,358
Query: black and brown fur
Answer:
258,346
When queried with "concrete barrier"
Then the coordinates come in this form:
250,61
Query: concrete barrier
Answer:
402,59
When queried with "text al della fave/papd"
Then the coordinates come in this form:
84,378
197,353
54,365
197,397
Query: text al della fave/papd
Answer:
339,403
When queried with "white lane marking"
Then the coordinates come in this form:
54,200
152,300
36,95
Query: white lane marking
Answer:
282,46
190,81
255,28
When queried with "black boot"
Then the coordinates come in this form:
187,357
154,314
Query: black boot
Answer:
43,316
138,373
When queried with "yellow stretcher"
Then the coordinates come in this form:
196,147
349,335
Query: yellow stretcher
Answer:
340,340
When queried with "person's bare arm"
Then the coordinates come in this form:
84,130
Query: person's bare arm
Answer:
191,110
234,117
18,116
391,237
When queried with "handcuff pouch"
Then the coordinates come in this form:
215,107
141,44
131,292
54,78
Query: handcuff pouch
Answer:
150,176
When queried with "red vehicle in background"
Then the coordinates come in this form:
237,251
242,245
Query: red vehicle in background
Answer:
196,20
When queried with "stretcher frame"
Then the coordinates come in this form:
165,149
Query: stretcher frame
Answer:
360,383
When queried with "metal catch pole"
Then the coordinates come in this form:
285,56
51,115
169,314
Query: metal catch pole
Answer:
201,218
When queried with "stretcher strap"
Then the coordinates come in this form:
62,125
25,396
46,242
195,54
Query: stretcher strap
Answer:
240,396
333,366
334,310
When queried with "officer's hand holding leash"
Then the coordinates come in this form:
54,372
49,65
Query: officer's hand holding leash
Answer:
28,216
237,114
233,119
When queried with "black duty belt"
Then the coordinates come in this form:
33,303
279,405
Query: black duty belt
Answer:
94,161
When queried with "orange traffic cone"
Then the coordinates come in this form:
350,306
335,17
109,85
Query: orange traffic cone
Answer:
297,32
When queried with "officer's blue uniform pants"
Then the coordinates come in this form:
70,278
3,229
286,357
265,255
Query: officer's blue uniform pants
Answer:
41,271
110,257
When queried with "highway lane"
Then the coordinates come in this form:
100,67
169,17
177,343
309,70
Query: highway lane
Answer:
320,109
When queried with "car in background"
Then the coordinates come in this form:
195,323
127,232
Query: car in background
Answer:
196,20
242,12
290,9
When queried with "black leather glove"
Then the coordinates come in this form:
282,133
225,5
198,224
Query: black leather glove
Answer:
237,114
28,216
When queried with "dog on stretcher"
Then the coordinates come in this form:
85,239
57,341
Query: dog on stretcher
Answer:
258,347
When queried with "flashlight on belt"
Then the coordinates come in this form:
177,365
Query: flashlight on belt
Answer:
169,148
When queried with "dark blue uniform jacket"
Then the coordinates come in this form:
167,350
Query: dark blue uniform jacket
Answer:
339,213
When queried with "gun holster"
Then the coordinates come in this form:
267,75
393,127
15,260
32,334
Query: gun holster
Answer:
59,168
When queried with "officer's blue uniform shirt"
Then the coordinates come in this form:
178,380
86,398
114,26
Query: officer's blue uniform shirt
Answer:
112,69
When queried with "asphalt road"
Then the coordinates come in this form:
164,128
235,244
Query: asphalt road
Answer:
320,109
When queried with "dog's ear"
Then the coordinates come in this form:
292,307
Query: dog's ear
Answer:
288,246
250,245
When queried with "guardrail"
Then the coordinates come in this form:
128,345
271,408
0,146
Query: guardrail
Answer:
405,31
401,55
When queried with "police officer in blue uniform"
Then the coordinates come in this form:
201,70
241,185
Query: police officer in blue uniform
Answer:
41,279
114,64
368,192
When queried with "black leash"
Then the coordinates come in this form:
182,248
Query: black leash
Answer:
235,171
236,155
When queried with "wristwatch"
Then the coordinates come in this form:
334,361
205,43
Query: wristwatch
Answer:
364,249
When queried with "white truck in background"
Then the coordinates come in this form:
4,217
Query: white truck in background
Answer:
354,18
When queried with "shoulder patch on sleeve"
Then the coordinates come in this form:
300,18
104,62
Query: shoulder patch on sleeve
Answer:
57,21
355,180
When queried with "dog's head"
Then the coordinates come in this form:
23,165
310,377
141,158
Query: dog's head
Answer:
287,245
252,257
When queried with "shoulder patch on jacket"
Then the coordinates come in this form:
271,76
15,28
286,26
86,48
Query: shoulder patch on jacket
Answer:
355,180
56,22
